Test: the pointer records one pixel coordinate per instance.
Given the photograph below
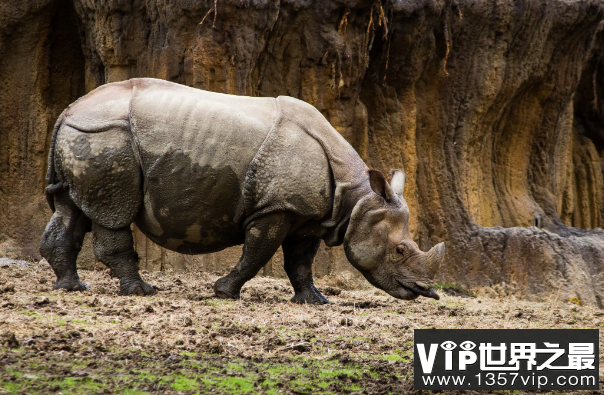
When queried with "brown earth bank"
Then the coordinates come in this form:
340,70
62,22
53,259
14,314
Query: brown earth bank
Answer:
493,109
184,340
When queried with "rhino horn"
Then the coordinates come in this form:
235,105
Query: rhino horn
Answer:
435,258
397,181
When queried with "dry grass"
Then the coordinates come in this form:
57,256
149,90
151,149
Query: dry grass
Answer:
184,340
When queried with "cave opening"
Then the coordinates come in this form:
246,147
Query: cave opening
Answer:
588,145
588,108
67,62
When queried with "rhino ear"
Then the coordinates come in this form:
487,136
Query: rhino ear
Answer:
379,185
397,181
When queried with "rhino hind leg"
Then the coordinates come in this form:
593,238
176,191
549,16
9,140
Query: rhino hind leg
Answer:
115,248
62,240
263,237
298,256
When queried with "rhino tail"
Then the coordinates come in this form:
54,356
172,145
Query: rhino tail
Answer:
54,184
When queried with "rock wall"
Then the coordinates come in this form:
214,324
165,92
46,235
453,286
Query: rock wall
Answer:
493,108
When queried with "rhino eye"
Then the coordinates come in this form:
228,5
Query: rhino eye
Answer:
400,250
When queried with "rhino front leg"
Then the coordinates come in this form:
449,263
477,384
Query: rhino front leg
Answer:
298,256
263,237
62,241
115,248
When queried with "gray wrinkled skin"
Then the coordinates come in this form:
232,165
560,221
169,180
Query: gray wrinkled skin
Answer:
198,172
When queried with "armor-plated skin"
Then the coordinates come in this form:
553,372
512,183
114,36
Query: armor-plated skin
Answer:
199,172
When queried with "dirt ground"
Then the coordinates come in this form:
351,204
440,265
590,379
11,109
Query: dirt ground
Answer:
184,340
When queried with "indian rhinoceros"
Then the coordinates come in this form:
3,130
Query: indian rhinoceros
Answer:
199,171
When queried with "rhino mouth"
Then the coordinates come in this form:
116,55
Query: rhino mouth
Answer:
413,291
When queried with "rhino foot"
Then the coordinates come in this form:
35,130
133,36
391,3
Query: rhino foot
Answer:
71,285
138,287
224,289
310,295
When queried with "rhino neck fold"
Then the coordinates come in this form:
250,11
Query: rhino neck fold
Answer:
348,170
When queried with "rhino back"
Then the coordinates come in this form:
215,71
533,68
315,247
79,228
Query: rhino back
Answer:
105,107
195,148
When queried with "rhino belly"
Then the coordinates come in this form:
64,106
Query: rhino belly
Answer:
195,148
191,208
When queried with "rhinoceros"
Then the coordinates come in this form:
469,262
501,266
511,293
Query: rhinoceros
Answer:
198,172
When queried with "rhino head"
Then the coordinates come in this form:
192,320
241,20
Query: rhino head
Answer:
378,242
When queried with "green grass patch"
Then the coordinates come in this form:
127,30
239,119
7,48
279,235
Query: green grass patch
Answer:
29,313
392,357
192,373
184,384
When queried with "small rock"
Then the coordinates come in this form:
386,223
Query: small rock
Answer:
332,291
149,309
346,321
94,302
451,291
43,301
15,262
485,292
342,377
302,347
342,357
215,348
366,304
312,323
7,338
187,322
9,287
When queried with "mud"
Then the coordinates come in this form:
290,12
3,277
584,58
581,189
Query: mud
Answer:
183,340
